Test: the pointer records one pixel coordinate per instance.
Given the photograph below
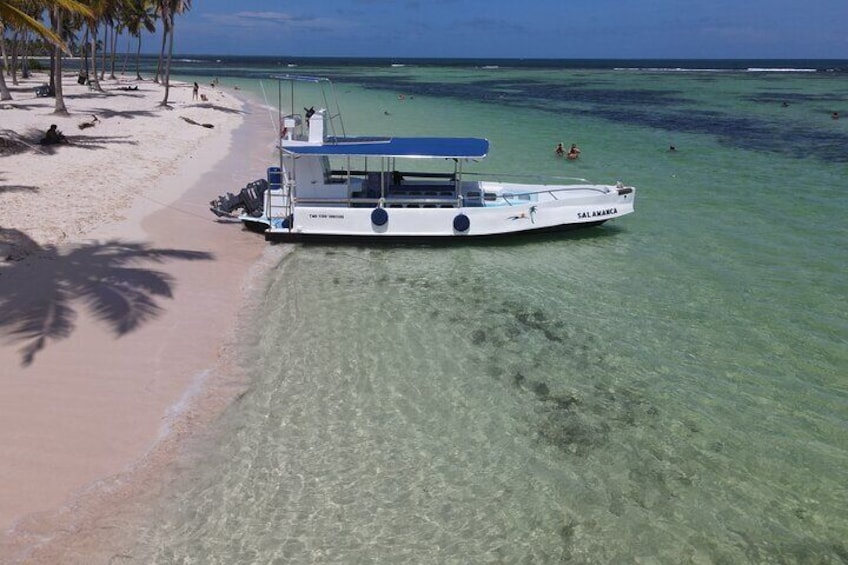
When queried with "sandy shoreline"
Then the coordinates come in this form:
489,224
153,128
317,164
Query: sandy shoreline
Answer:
130,292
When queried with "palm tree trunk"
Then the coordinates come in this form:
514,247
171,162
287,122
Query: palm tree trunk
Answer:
56,23
137,59
16,43
93,76
5,62
52,70
25,57
4,90
162,50
126,56
112,54
168,62
84,52
105,50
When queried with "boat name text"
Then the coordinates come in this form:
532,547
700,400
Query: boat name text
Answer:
597,213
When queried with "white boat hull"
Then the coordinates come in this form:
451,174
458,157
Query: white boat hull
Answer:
591,207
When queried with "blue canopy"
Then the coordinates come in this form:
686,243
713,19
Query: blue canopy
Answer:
412,147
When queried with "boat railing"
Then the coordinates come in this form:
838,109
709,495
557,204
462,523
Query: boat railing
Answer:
536,178
525,197
509,198
344,173
444,201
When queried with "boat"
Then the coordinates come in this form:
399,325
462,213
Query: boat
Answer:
331,185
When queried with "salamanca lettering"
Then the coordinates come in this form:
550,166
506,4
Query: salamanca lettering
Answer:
597,213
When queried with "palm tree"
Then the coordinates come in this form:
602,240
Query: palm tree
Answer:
169,9
99,10
12,12
60,22
4,90
20,41
5,57
139,16
56,23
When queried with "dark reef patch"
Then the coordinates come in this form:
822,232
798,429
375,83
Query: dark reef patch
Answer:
667,110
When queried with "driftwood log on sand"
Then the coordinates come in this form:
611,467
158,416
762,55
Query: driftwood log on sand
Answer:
194,123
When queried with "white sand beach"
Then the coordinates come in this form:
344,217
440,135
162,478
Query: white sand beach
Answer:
119,297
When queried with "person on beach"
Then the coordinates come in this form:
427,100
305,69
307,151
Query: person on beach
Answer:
194,91
573,152
560,150
53,136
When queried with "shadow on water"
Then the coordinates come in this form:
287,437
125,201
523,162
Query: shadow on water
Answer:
42,286
496,241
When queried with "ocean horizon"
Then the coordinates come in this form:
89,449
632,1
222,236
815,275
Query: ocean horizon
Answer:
238,63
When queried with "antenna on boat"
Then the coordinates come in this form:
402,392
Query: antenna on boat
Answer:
338,113
274,126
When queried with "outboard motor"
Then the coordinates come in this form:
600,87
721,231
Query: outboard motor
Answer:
249,199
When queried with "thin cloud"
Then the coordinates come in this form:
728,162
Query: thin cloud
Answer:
273,19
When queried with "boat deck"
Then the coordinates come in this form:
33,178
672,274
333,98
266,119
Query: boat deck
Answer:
419,190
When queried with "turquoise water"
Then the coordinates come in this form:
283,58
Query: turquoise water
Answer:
668,388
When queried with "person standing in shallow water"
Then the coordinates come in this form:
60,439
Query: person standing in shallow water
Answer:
573,152
560,150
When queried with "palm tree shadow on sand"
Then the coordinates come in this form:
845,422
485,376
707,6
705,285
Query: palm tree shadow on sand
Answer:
40,292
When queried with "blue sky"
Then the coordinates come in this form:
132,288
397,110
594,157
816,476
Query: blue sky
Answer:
517,28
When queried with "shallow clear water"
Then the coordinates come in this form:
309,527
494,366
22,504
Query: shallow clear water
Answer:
668,388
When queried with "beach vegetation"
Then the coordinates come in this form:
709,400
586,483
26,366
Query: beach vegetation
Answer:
138,16
59,27
168,9
100,12
25,15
